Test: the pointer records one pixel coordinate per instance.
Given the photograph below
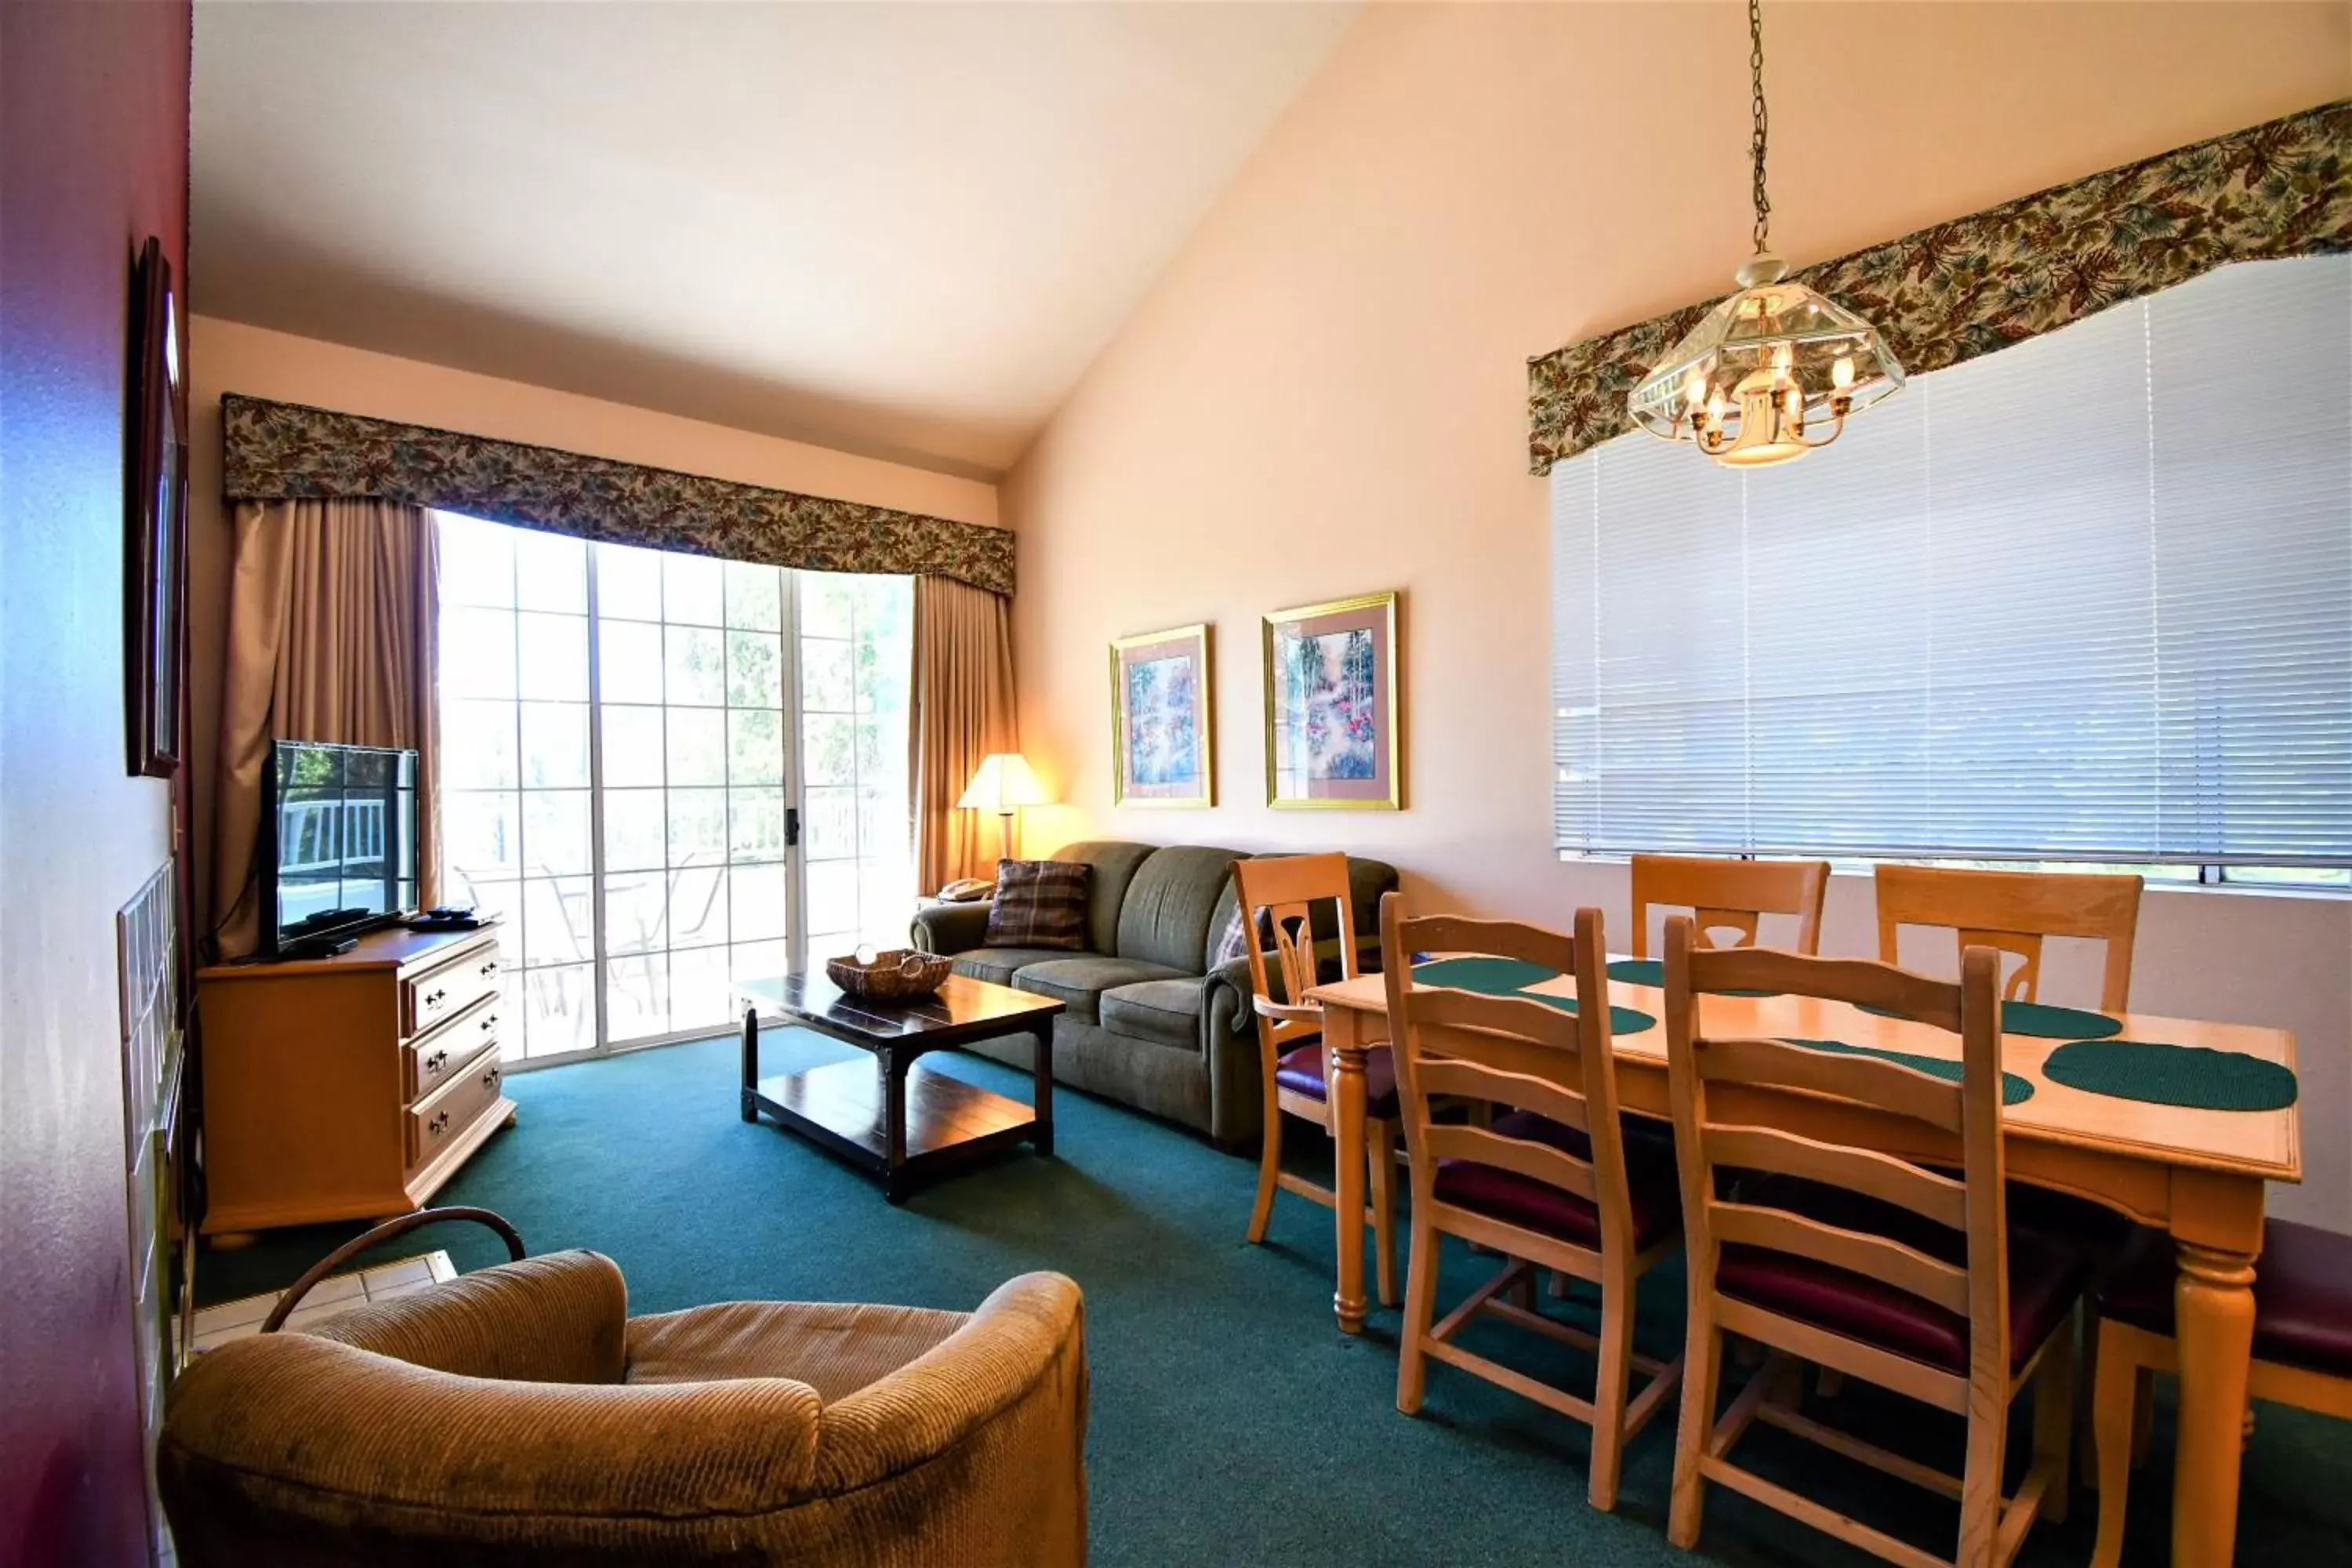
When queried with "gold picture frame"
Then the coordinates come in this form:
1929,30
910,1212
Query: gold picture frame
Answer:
1358,648
1176,671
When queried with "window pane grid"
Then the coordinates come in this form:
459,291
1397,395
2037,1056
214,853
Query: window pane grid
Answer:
654,883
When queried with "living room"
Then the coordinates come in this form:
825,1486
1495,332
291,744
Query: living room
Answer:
668,484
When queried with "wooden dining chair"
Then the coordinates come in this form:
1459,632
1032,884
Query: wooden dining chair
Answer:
2303,1347
1552,1182
2013,911
1277,894
1730,895
1887,1270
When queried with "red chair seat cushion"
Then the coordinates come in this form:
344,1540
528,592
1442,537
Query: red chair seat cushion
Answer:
2046,1276
2303,1294
1653,1189
1300,1070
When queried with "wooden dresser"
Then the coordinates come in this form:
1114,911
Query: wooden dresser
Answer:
348,1087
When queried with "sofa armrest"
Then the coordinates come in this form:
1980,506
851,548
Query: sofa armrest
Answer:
1025,1345
949,929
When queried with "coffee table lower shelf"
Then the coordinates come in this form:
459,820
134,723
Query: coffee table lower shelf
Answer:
844,1106
884,1113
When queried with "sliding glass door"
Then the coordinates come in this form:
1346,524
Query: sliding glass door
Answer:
632,742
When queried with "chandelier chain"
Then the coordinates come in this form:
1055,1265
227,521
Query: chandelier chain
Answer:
1756,76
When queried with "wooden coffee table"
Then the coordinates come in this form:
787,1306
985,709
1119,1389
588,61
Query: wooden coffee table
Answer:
903,1123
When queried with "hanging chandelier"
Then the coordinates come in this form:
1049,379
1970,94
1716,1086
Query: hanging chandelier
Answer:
1772,372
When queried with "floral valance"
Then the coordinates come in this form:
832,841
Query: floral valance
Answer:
1949,294
276,451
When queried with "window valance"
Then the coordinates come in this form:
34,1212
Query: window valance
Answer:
279,451
1949,293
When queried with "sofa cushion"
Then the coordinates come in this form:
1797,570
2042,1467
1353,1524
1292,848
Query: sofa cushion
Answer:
1169,904
1165,1011
836,1347
1114,862
1040,903
1079,983
998,966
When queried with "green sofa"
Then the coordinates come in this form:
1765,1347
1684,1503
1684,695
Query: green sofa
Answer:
1149,1023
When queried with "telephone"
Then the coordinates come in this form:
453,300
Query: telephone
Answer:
966,890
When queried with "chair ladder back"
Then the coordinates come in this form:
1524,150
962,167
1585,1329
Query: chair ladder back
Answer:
1281,892
1512,1050
2013,911
1730,894
1968,1113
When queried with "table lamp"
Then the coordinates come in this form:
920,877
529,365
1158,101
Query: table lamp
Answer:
1004,784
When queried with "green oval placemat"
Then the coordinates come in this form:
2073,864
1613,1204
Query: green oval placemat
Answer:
1497,977
2044,1022
2196,1077
1511,977
1651,972
2013,1088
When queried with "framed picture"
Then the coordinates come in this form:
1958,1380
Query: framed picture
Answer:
154,541
1162,705
1333,734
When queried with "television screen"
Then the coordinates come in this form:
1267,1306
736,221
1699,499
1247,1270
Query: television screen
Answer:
344,820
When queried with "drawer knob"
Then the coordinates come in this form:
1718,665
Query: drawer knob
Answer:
433,998
491,1022
490,1078
439,1124
436,1061
490,969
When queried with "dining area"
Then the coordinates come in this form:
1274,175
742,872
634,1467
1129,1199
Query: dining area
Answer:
1911,1169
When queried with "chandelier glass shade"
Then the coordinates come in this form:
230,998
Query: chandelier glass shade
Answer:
1772,372
1768,375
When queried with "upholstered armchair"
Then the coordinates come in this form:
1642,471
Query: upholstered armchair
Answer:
520,1416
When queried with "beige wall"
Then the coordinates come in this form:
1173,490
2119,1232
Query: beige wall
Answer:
228,356
1326,392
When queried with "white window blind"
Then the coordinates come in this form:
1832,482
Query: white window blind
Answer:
2088,598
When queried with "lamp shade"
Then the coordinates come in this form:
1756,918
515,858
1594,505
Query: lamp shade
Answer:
1004,784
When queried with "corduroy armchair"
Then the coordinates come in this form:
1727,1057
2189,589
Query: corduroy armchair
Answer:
518,1415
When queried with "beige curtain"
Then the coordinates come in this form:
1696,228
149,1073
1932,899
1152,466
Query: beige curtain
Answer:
959,709
334,614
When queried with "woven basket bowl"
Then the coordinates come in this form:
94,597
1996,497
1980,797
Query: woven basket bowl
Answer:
884,979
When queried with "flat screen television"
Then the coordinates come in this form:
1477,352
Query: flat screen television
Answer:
339,839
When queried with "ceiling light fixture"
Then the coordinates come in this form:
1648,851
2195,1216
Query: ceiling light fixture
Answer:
1772,372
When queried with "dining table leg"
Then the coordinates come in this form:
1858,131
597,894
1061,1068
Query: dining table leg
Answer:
1343,1040
2213,1314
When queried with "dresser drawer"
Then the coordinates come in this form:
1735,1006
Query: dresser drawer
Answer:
430,1060
450,990
435,1122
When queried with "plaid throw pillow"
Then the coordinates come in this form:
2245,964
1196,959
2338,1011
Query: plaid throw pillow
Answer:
1040,903
1234,943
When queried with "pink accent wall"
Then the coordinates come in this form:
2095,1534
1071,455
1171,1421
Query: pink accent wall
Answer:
93,159
1325,395
228,356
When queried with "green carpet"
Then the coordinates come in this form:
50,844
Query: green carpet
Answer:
1232,1424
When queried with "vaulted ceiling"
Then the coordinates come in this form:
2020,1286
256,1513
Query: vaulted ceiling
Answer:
903,230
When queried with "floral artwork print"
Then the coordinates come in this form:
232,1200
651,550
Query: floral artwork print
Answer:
1328,691
1332,713
284,451
1952,292
1162,744
1162,715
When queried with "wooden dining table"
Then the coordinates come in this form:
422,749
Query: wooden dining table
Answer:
2198,1174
